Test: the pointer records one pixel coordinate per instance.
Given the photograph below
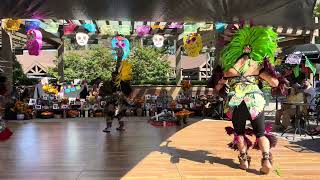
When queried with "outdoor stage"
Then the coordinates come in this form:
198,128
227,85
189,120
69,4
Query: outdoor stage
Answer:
77,149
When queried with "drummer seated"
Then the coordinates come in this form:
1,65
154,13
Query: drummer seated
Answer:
287,112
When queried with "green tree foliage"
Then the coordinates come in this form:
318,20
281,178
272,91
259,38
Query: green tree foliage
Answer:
149,64
86,64
317,10
19,78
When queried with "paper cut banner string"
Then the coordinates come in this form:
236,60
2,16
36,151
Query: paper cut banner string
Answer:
69,28
220,27
143,30
32,24
50,26
90,27
175,25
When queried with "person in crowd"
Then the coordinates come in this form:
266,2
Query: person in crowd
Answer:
311,98
310,93
38,91
84,90
96,84
286,113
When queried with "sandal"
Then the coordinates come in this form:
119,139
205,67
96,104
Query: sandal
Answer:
266,157
243,158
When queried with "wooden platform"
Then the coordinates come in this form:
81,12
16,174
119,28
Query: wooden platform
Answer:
79,150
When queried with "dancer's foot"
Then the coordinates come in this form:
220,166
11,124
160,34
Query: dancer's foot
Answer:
120,129
244,160
266,163
107,130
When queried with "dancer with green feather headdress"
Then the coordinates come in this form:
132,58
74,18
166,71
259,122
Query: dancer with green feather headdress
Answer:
246,61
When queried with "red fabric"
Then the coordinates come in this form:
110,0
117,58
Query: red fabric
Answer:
305,69
69,28
160,123
5,134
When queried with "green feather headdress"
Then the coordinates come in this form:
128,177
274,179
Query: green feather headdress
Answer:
258,42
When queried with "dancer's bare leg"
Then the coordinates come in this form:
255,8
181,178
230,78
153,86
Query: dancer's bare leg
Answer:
242,146
264,145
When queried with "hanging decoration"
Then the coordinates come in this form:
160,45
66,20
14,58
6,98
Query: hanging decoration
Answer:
82,38
125,73
124,29
305,69
220,27
106,30
310,65
158,40
32,24
158,27
121,42
175,25
143,30
90,27
34,42
294,58
192,44
296,71
50,26
11,24
69,28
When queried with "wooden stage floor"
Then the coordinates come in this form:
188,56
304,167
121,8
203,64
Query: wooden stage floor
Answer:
79,150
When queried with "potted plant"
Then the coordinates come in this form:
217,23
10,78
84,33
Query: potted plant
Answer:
20,109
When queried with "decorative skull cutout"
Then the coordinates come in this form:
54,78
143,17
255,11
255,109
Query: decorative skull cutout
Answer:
82,38
34,42
192,44
121,42
158,40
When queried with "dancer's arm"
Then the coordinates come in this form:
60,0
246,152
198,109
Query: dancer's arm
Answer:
272,81
220,84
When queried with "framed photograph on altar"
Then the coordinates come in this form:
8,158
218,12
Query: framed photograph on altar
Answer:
147,106
65,106
147,96
72,101
179,106
32,102
55,106
38,107
52,97
154,97
45,98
